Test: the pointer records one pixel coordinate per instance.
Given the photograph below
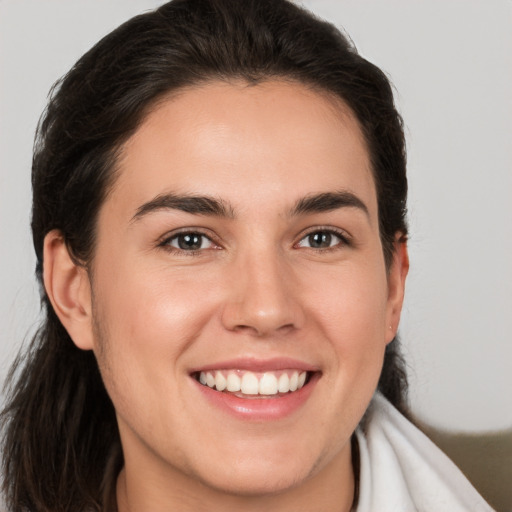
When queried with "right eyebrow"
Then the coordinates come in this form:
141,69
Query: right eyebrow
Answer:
199,205
328,201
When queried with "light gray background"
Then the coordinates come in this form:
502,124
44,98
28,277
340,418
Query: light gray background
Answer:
451,63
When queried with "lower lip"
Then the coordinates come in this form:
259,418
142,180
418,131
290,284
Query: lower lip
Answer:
260,409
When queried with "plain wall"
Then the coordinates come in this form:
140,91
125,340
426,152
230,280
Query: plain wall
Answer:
451,63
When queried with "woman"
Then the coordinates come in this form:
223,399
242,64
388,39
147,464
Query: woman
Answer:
219,222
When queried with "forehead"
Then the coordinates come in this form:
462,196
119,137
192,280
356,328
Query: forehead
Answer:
275,139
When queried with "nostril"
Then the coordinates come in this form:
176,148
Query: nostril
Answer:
261,330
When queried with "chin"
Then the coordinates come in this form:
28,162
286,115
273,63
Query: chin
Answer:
263,469
256,480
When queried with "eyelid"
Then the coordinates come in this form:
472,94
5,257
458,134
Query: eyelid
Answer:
164,241
346,239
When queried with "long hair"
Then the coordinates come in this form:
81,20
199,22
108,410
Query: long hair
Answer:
61,447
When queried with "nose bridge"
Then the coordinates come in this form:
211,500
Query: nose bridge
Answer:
261,298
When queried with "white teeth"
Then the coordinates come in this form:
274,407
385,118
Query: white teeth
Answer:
294,381
249,383
233,383
210,380
284,383
268,384
220,381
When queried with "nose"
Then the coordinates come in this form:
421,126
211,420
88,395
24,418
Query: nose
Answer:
263,298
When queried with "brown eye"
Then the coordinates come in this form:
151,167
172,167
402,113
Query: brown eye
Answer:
190,242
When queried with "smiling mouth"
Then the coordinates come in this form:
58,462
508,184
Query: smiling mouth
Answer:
247,384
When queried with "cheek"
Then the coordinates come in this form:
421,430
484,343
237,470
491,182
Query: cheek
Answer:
350,309
351,301
147,317
143,324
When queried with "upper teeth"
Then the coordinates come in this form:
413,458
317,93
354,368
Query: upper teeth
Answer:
249,383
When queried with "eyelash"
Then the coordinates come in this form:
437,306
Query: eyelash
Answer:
166,243
342,236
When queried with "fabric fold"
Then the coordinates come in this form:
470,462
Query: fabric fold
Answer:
401,470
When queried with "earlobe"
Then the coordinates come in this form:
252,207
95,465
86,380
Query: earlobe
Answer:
396,285
68,288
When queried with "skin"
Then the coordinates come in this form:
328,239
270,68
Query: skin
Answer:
151,311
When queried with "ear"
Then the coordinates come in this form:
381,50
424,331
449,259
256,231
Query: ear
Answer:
68,288
396,285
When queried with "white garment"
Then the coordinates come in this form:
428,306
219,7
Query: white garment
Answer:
403,471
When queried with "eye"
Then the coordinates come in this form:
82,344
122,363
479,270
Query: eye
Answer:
189,241
322,239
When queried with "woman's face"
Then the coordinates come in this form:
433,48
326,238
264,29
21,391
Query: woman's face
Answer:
240,246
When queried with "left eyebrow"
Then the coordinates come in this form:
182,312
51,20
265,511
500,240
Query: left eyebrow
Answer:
198,205
327,201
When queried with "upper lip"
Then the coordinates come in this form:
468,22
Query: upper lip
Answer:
258,365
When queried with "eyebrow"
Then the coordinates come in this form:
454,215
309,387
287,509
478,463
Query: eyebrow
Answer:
198,205
211,206
327,201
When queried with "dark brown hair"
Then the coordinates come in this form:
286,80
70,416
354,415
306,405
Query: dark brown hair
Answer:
61,448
